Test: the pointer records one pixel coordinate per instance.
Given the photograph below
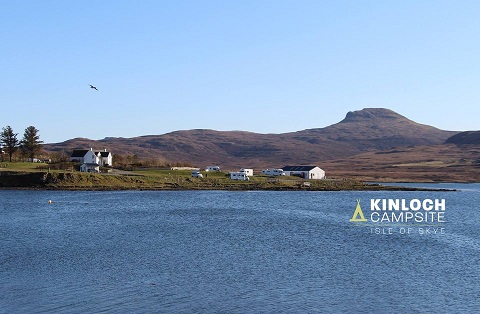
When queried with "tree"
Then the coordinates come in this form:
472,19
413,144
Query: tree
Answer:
31,144
59,156
9,140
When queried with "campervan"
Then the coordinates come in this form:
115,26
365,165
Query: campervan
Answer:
212,168
242,176
248,172
273,172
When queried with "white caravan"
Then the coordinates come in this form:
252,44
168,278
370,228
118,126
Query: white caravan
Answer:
273,172
241,176
248,172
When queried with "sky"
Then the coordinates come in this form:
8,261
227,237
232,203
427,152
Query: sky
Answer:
262,66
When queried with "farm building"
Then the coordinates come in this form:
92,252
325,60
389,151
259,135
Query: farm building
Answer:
305,172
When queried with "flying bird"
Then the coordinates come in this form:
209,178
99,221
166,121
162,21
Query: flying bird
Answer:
91,86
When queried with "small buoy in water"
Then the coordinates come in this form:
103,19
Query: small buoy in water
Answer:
49,201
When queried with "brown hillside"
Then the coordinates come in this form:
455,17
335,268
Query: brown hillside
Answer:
465,138
433,163
360,131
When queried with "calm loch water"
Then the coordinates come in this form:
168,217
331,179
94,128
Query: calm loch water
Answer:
231,252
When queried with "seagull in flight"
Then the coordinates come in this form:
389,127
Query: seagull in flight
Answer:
91,86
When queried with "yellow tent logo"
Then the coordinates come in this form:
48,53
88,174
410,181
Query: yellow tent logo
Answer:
358,214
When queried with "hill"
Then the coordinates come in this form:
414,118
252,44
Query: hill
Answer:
465,138
432,163
361,131
377,128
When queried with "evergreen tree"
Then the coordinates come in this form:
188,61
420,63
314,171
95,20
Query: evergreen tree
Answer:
31,144
9,140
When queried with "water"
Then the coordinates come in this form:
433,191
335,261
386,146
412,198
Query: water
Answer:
230,252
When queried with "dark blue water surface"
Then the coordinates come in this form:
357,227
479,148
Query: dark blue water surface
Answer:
231,252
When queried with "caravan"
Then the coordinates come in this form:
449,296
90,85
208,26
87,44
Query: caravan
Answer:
241,176
273,172
248,172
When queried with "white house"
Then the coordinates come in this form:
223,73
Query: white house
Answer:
78,154
85,156
91,160
305,172
105,158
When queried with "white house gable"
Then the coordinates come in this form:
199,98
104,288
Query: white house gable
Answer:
91,157
105,158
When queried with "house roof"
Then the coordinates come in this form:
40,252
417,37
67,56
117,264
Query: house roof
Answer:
82,152
103,153
298,168
79,152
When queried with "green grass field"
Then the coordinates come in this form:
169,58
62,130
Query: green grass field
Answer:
22,166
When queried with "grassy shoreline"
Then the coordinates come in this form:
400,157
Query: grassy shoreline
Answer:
174,180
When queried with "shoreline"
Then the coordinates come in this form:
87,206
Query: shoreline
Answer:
394,189
75,181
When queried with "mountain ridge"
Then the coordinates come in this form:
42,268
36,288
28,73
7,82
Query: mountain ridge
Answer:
360,131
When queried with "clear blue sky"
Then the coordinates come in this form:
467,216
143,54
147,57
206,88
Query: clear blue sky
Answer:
263,66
